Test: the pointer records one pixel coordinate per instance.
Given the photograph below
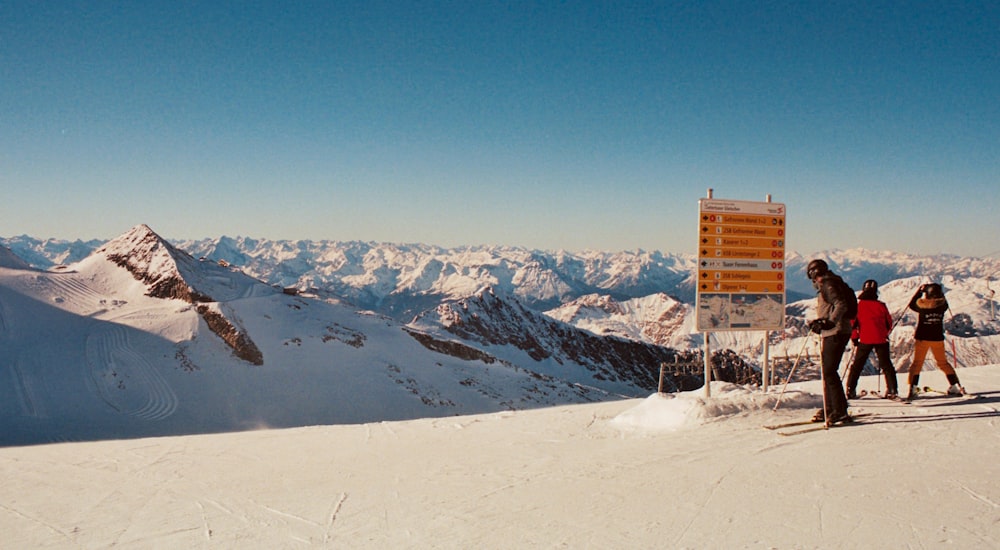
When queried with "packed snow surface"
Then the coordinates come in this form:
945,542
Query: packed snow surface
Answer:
681,471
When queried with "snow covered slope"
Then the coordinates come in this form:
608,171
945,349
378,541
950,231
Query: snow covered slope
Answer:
125,343
660,472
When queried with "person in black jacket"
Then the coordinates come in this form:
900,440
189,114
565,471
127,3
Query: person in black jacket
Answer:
930,305
834,301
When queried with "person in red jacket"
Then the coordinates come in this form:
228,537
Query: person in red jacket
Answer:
871,332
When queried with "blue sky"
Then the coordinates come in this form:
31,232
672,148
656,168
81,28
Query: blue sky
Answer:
548,125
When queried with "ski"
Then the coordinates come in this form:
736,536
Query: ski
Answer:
855,420
865,394
788,424
807,422
807,430
928,389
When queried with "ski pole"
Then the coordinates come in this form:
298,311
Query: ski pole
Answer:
954,354
899,316
791,372
878,376
822,377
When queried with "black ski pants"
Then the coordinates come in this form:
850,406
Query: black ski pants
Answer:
834,399
861,353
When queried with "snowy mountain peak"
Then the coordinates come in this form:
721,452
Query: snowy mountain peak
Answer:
153,261
171,273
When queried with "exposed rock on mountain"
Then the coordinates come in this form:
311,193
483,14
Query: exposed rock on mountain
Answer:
153,261
171,273
243,346
495,321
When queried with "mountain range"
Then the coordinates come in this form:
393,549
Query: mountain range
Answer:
143,336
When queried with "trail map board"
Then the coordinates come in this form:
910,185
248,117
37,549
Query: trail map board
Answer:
741,265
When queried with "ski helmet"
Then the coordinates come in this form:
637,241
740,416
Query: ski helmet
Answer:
870,284
934,291
816,268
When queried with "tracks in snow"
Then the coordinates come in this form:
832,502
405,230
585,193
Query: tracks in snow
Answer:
68,288
23,397
124,379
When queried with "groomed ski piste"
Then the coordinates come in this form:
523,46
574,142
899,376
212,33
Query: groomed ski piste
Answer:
666,471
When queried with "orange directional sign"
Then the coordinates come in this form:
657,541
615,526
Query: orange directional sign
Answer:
743,242
741,265
740,276
737,286
711,229
748,253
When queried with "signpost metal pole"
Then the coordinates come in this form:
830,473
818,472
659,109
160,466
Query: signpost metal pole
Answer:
708,366
765,369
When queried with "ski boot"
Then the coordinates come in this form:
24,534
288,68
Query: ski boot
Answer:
842,418
913,393
956,389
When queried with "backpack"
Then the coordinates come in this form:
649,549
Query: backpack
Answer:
850,298
845,293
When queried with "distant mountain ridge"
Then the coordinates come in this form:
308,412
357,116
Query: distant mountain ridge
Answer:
404,280
399,279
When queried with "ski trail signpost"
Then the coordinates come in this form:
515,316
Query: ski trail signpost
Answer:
741,267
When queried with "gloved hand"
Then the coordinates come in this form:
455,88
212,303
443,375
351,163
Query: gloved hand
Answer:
819,325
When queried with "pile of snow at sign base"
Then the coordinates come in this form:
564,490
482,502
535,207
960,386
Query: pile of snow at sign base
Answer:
666,471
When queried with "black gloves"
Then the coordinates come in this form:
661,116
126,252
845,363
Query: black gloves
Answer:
819,325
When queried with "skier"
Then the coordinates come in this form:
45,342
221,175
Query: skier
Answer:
930,305
871,331
836,306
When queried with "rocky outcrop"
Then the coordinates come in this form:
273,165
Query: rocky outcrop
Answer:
451,347
493,320
243,346
157,263
153,261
